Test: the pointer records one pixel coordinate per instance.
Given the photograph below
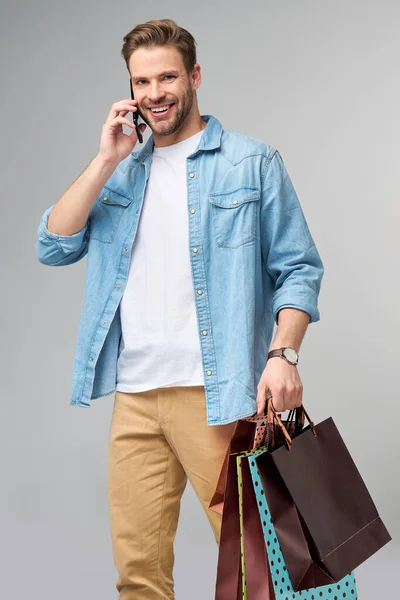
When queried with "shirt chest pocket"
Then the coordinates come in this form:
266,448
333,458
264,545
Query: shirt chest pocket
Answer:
106,215
234,216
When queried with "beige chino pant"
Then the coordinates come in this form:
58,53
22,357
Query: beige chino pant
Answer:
158,440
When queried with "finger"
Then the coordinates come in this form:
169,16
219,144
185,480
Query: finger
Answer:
293,396
122,113
268,398
278,400
261,400
260,408
114,123
117,107
299,396
290,395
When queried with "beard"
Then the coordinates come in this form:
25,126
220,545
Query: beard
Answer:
179,116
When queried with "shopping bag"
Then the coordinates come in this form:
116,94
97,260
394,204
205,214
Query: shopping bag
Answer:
255,573
250,433
235,579
242,556
228,581
325,519
344,589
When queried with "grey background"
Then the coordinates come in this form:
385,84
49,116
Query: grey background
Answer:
317,80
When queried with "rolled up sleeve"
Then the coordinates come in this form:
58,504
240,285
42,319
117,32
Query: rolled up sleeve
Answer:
58,250
288,249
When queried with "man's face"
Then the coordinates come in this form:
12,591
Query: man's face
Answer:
159,78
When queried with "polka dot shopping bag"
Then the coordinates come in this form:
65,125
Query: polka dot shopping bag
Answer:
345,589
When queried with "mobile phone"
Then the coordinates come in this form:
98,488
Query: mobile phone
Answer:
135,115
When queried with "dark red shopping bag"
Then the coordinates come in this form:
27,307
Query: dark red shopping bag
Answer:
249,433
258,578
326,521
228,582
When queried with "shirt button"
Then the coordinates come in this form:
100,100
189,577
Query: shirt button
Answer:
235,202
192,211
126,249
191,174
195,250
91,358
104,322
205,332
209,372
200,292
117,286
105,198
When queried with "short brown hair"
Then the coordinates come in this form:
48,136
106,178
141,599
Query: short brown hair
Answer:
161,32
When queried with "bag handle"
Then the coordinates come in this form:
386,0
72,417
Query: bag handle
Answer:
261,420
272,415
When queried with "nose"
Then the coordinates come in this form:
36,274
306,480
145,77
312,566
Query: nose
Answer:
156,94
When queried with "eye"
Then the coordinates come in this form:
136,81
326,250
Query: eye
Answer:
139,82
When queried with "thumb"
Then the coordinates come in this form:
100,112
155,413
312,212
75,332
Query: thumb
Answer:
261,399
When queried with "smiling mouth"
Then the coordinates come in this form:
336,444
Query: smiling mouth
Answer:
159,113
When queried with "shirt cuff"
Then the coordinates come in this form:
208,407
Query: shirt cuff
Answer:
297,296
68,243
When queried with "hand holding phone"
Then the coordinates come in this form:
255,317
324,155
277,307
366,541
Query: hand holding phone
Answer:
115,145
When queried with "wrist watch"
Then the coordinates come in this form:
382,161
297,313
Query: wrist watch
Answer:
288,354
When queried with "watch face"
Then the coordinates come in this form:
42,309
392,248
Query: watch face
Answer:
290,354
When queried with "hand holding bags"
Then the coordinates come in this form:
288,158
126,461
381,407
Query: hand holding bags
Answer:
249,433
252,432
316,518
324,516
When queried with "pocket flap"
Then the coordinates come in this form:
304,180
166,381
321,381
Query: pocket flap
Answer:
235,198
109,196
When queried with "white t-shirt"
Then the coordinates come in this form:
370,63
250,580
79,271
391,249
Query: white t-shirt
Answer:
160,344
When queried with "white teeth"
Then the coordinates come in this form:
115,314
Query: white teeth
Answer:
161,109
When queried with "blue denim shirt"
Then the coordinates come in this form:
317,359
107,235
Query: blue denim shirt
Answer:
251,254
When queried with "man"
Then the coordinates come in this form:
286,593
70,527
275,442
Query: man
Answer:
196,246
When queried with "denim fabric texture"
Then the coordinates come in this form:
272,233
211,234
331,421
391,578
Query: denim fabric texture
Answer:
251,254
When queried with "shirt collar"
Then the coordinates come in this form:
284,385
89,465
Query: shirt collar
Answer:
210,139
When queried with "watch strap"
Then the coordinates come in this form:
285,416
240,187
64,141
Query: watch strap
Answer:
276,352
279,352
